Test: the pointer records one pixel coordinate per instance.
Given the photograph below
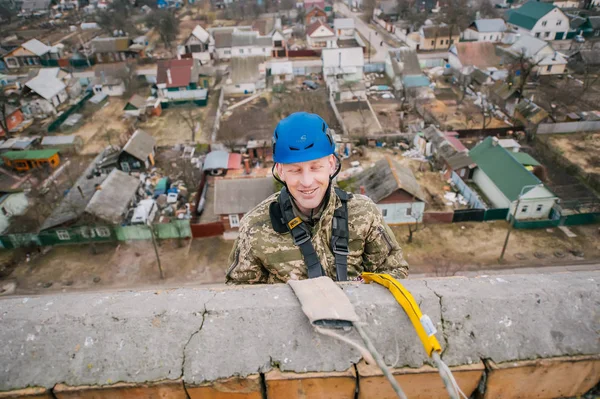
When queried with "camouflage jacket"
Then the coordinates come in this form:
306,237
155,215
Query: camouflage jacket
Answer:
261,255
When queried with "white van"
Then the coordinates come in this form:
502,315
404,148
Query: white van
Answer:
144,212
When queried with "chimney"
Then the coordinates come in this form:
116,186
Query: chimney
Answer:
247,165
169,76
178,55
362,190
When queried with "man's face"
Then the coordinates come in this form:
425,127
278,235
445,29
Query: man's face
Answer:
308,181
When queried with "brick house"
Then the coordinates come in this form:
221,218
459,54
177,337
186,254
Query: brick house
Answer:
14,117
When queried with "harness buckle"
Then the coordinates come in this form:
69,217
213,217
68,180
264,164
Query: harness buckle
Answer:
339,249
301,237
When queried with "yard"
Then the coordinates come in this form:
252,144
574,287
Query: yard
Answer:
436,249
583,149
358,118
103,127
172,127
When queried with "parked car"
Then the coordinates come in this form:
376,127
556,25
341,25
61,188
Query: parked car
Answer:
310,84
579,39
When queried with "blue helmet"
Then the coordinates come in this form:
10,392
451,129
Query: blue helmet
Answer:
302,137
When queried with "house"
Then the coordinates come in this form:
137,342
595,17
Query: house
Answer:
437,37
403,68
343,63
177,82
12,203
585,59
244,43
315,14
486,30
114,49
344,27
15,121
218,162
64,144
280,42
448,151
503,180
394,189
49,92
260,150
586,26
236,197
320,35
538,19
199,44
138,153
108,79
248,75
594,23
465,56
281,71
547,60
23,161
510,145
114,197
223,37
136,106
386,15
566,3
31,53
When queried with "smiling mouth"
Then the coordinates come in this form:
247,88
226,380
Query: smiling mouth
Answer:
308,192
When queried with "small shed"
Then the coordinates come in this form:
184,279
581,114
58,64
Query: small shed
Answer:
393,188
113,197
23,161
236,197
65,144
136,106
138,153
218,162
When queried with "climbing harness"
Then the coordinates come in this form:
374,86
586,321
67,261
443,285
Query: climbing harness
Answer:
284,220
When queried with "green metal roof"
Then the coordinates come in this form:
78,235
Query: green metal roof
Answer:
529,13
524,159
502,168
29,155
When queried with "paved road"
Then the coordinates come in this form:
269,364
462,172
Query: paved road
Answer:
365,30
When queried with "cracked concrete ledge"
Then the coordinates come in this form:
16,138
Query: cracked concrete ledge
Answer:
205,335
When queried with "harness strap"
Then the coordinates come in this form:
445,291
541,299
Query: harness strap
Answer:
340,236
301,235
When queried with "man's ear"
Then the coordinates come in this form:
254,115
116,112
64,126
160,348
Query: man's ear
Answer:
332,164
279,170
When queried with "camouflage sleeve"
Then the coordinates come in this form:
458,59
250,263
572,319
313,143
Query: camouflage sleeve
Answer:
244,267
382,253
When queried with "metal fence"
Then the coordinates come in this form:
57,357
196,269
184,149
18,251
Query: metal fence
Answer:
496,214
468,215
470,195
581,218
55,124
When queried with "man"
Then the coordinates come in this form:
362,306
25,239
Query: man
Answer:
310,228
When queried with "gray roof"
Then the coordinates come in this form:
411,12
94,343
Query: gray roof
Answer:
73,204
460,160
35,5
140,145
595,22
241,39
386,177
45,84
576,21
245,69
111,201
36,47
405,61
530,46
137,101
490,25
343,23
216,160
223,39
60,140
237,196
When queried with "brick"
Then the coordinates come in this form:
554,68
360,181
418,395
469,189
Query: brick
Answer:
543,378
331,385
27,393
172,389
417,383
230,388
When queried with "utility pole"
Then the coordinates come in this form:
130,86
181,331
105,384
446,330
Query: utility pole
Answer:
514,217
369,45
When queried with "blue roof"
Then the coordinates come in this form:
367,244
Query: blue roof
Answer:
415,81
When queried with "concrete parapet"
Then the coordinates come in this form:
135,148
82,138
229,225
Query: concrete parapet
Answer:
527,336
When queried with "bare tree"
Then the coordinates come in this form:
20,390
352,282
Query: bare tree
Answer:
369,7
117,18
443,267
166,24
457,14
487,9
416,226
521,70
192,117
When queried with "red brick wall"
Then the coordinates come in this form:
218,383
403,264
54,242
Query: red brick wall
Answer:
207,229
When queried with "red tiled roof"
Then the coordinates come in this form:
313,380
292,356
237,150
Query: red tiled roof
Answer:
455,142
181,72
313,27
235,161
479,54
